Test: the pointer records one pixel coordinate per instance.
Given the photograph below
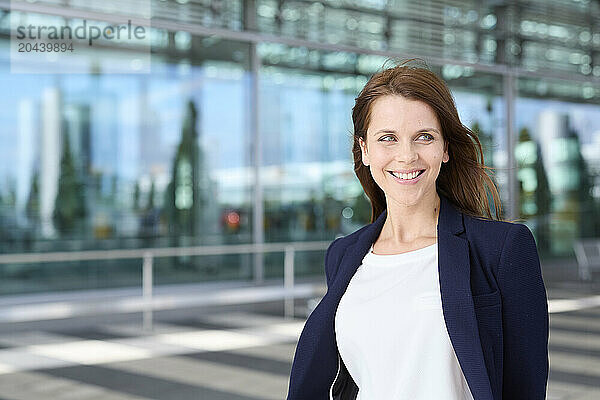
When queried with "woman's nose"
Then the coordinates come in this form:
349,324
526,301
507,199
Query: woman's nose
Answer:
406,153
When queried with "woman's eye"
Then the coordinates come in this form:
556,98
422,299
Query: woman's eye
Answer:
427,136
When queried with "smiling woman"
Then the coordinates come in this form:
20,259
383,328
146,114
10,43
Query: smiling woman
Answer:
434,299
404,149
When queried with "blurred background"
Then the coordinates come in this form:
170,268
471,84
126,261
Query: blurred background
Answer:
162,233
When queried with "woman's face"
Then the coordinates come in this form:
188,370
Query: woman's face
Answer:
403,136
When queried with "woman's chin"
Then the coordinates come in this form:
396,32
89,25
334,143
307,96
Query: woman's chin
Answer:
406,200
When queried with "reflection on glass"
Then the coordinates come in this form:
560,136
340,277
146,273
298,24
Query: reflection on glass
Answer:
558,172
109,161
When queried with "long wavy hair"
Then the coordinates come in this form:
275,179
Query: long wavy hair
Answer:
463,180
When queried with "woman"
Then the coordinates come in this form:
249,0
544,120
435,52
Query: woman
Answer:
434,299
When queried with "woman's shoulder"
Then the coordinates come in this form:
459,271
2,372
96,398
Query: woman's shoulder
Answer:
491,226
342,240
494,235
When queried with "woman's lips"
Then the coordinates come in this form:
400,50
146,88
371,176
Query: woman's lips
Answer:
408,181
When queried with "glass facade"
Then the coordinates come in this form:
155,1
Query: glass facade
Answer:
164,159
127,161
558,157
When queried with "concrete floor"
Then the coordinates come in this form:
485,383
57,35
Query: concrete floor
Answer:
237,353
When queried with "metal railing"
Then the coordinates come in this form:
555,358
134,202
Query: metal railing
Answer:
147,255
587,252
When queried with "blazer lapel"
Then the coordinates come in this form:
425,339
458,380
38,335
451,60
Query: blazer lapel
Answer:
457,302
454,275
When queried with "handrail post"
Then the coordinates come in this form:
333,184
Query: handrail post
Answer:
147,278
583,264
288,282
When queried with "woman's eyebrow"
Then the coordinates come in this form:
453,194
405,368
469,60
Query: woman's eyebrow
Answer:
419,131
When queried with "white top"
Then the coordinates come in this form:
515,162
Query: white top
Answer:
391,333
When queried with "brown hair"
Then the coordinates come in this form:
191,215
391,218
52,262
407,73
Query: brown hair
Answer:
463,179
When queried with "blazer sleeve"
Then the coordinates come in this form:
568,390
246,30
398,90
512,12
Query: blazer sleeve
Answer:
524,317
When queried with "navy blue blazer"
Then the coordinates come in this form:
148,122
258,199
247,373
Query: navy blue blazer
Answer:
494,305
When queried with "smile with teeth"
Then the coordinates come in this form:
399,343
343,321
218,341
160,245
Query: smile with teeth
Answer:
407,177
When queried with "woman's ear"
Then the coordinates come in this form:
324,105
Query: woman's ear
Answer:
364,152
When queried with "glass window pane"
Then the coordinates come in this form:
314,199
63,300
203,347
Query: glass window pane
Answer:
128,161
558,122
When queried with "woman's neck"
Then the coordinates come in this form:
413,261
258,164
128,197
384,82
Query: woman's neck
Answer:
407,224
